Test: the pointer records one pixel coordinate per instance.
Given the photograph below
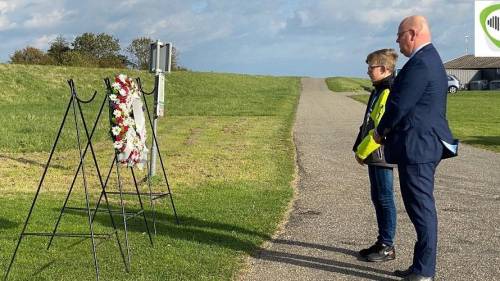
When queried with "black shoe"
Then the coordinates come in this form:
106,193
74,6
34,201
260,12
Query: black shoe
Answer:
378,253
403,273
365,252
416,277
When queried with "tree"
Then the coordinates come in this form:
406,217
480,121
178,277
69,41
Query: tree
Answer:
98,46
113,61
30,55
139,49
75,58
102,47
57,49
173,63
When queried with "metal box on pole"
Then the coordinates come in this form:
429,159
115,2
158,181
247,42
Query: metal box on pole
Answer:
159,63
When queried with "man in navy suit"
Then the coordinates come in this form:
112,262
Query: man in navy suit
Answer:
416,135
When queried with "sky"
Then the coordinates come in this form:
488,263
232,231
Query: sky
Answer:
317,38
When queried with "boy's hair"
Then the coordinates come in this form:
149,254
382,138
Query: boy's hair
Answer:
385,57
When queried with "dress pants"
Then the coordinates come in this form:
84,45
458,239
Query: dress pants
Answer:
417,187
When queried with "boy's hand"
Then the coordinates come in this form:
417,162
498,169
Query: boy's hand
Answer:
359,160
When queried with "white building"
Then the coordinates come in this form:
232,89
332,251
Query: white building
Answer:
469,69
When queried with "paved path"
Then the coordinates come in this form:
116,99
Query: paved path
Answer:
332,217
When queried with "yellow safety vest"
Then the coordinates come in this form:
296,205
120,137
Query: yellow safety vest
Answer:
368,144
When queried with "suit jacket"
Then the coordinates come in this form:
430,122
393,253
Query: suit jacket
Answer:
414,124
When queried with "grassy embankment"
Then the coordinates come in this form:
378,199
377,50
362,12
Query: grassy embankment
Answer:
227,144
348,84
474,116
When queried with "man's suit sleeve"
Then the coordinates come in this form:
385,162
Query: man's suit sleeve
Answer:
405,95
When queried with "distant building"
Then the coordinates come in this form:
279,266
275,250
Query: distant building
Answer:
469,68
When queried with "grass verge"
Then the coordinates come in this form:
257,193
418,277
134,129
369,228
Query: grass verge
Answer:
474,117
227,144
348,84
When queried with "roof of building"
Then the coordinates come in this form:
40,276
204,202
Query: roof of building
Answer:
472,62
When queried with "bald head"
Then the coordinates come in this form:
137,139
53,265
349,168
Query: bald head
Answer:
413,32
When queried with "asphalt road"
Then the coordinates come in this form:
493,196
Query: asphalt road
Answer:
332,216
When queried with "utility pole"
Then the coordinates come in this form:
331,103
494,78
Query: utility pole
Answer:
467,44
159,63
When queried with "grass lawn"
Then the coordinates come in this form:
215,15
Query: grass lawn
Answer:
348,84
229,155
474,117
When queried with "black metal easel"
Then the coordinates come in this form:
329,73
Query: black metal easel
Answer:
75,103
158,195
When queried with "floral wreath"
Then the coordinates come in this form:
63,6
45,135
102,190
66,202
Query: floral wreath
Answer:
128,128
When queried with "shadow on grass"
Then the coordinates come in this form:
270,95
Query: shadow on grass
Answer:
190,228
486,141
23,160
6,224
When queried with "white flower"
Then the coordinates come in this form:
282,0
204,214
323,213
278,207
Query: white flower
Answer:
129,122
122,77
133,143
118,144
116,130
123,107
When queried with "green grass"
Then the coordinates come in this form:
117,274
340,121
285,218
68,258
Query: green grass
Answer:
348,84
227,144
474,117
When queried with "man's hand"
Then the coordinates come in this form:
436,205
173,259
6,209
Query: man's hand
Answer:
360,161
376,137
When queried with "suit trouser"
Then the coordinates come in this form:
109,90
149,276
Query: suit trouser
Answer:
417,186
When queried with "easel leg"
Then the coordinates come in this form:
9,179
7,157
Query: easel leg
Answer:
142,206
38,189
151,201
122,205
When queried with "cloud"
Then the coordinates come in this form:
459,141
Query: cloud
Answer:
42,20
7,6
43,41
5,23
318,38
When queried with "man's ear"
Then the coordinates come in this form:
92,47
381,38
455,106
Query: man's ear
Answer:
413,34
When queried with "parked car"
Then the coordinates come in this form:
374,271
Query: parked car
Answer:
453,84
478,85
495,85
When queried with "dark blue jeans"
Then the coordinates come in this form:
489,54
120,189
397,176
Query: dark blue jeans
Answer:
382,194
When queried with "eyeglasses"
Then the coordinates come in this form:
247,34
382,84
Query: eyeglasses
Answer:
371,67
402,32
